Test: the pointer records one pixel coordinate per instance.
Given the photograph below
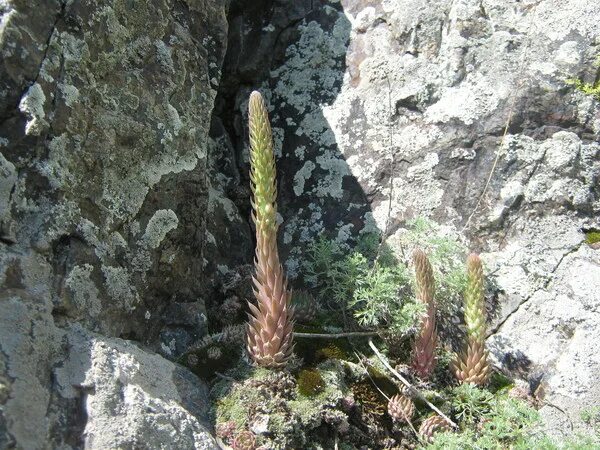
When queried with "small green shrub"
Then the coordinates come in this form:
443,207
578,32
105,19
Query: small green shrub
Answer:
369,281
332,272
376,300
592,237
592,89
586,88
471,403
488,421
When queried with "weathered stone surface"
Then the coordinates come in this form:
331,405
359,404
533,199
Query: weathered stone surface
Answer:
104,195
133,398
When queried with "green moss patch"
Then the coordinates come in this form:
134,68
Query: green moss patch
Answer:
310,382
592,237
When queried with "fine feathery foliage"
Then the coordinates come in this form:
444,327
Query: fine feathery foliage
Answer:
423,361
489,421
270,327
376,300
376,292
332,272
472,365
376,288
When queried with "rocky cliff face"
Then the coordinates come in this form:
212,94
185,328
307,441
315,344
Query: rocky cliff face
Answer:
124,201
105,111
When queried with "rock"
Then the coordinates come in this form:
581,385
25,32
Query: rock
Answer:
106,393
105,111
163,405
108,141
187,314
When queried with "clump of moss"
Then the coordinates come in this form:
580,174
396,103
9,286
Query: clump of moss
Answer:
289,418
592,237
372,401
310,382
332,351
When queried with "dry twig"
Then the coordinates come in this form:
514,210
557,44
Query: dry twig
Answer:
410,386
336,335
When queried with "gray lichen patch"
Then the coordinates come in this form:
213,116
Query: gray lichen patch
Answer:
163,221
302,175
120,288
84,291
32,104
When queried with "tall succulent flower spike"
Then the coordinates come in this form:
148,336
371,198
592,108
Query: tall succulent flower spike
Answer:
270,321
472,365
424,348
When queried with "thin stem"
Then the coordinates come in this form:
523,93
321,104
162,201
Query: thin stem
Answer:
392,172
383,393
408,385
336,335
224,377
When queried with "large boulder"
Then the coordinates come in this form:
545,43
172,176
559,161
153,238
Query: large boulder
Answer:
105,110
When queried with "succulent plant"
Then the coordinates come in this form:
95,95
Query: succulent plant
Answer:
244,440
214,353
277,383
226,430
269,335
472,366
231,334
401,408
305,306
432,425
423,361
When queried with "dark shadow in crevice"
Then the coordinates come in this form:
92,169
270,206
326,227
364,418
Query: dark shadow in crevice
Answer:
294,52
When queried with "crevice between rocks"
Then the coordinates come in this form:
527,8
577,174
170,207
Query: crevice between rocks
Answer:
60,15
